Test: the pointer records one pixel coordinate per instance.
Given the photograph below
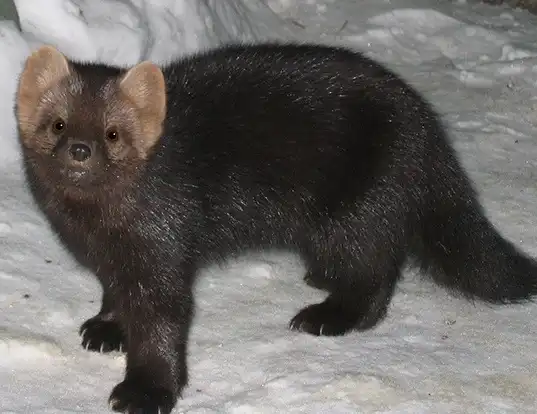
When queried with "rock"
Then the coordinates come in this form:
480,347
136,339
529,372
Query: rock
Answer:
8,11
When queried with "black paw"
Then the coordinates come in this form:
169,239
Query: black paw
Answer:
136,397
326,319
102,335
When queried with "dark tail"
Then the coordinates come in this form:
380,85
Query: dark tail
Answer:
463,251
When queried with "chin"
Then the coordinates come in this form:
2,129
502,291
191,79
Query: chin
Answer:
79,180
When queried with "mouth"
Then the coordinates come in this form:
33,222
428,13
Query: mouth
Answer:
75,174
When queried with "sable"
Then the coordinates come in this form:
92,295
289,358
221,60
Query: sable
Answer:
149,173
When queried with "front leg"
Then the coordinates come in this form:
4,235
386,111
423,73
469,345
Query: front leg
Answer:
103,333
157,319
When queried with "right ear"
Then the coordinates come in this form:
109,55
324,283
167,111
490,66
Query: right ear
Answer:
44,68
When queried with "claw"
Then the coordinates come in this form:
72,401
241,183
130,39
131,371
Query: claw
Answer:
101,336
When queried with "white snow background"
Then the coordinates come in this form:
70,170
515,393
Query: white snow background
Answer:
433,354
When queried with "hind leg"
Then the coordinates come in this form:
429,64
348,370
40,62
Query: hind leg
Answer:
357,307
358,264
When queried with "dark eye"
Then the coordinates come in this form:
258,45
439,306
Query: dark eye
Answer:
112,135
58,126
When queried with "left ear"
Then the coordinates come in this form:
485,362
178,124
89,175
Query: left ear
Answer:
145,87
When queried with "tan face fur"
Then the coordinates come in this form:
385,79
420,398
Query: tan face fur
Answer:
88,128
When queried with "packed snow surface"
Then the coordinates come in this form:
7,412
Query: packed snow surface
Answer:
433,354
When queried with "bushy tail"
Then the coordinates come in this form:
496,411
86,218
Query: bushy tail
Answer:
463,252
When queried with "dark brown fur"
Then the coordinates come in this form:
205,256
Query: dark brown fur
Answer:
311,149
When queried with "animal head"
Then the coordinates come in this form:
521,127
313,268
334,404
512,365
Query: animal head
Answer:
88,128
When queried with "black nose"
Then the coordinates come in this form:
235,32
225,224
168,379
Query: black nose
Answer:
79,152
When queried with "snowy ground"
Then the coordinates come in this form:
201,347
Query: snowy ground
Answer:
434,353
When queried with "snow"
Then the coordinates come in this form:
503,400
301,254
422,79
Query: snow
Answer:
434,353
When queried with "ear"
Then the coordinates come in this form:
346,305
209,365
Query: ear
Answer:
145,87
43,69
